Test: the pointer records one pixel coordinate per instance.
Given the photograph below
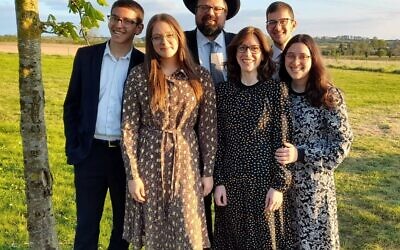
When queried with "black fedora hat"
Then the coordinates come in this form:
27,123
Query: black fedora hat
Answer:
233,7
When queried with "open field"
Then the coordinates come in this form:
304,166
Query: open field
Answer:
47,48
368,182
385,64
65,49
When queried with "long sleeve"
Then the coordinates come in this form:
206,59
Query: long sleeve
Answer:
282,176
219,169
207,125
131,115
72,104
334,144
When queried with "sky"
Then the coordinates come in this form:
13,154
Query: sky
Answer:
365,18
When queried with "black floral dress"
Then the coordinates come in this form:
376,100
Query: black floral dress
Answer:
325,137
252,124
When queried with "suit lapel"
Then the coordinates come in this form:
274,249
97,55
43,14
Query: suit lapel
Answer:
192,43
97,61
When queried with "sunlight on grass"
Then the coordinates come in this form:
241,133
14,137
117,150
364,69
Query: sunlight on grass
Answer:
368,182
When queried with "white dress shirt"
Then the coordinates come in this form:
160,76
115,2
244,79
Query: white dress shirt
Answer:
112,79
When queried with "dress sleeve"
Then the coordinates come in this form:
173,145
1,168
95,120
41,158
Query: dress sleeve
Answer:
337,141
207,124
280,133
130,124
219,165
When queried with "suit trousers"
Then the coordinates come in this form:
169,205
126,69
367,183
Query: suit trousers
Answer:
102,171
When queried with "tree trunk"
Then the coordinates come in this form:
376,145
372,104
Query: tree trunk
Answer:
38,178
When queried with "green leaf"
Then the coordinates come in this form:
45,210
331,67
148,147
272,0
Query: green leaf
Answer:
102,2
97,14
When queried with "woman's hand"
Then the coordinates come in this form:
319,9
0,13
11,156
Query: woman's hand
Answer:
273,200
207,183
286,155
136,189
220,196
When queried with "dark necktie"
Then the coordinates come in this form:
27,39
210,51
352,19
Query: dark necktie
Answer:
215,65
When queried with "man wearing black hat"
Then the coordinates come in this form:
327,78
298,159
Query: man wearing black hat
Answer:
208,43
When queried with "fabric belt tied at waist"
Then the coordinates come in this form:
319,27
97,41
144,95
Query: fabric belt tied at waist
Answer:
175,155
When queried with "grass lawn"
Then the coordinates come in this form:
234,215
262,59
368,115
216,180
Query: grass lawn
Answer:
368,182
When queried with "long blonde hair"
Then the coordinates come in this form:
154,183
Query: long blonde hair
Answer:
157,80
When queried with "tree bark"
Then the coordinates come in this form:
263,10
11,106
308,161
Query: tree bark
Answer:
38,178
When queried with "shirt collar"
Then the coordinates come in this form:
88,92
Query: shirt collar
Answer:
202,40
107,51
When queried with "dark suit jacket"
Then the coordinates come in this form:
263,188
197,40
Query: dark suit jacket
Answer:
192,42
81,102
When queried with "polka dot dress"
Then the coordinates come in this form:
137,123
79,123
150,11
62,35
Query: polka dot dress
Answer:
252,123
164,150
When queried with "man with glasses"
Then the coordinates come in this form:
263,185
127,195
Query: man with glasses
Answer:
280,24
92,117
208,43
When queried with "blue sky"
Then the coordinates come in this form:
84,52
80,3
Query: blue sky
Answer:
366,18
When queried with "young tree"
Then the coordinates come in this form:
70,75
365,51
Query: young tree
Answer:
38,178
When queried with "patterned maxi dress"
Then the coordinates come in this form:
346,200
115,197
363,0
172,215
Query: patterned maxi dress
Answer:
164,150
325,136
252,124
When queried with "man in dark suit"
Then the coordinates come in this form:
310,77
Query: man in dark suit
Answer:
92,116
210,18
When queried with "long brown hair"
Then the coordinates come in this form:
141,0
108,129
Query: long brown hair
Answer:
318,85
266,67
152,63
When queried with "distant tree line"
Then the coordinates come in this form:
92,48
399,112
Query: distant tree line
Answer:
358,47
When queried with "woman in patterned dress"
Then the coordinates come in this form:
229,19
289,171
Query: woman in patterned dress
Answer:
321,140
168,127
252,111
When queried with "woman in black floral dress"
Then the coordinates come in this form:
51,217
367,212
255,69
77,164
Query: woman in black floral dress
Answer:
251,111
321,140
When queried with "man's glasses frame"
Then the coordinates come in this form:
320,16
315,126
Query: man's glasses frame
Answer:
203,8
281,21
126,22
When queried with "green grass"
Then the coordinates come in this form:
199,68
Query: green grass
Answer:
372,64
368,182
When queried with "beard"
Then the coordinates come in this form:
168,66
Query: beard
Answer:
209,29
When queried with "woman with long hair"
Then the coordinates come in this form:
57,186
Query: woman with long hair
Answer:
168,127
321,140
252,112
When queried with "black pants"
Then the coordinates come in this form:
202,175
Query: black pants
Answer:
101,171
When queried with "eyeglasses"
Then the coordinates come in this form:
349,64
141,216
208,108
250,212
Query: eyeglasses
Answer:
254,49
281,21
292,56
158,38
114,19
205,8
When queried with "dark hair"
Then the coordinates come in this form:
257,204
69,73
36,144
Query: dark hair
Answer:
318,85
130,4
266,67
152,66
275,6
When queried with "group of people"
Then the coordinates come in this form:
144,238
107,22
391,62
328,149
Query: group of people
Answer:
205,113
